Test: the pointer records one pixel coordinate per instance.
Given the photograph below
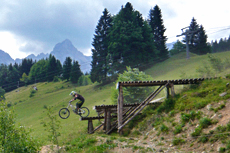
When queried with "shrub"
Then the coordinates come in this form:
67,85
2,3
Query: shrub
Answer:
203,139
164,128
197,132
178,141
205,122
178,129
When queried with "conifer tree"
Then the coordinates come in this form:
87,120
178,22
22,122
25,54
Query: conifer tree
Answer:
158,30
51,68
202,46
76,72
100,51
130,40
67,68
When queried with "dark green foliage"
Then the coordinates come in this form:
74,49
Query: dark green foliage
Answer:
198,39
100,51
25,66
67,68
158,30
202,47
220,46
54,68
9,77
76,72
130,41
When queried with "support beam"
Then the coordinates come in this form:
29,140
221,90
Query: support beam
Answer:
120,108
90,127
108,120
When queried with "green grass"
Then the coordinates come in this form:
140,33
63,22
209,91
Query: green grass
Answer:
30,109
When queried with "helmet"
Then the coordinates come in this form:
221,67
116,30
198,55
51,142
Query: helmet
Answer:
73,93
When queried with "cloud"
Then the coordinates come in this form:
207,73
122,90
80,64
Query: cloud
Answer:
40,25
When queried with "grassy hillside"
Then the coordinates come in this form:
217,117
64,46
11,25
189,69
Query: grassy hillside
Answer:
30,110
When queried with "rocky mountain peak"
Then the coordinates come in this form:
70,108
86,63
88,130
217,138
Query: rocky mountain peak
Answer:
66,46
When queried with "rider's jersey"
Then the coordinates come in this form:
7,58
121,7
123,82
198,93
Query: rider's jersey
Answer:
79,97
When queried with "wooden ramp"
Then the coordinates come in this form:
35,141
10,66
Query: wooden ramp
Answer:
124,113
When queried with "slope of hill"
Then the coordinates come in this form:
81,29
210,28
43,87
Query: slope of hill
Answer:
30,110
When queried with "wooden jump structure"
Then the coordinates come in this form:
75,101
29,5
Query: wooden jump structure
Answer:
124,113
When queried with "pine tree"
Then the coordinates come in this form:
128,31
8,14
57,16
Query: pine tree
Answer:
76,72
67,68
193,37
202,46
158,30
130,40
100,51
51,68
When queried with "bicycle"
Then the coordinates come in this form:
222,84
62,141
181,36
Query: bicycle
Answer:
64,112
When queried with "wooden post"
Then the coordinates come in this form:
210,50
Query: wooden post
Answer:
120,108
90,127
108,120
105,119
167,92
172,90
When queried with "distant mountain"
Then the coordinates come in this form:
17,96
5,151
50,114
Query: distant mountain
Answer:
170,45
5,58
60,51
66,49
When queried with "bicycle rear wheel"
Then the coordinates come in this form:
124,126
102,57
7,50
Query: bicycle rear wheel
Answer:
84,112
64,113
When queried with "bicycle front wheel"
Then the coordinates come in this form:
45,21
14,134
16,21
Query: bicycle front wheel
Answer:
64,113
84,112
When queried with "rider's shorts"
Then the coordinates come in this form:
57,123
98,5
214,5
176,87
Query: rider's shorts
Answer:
79,104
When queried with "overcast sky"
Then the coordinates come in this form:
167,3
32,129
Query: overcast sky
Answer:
36,26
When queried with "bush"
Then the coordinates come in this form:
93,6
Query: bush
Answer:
205,122
197,132
133,94
164,128
178,129
12,138
178,141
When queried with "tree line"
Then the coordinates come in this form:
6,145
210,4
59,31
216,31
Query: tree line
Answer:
49,69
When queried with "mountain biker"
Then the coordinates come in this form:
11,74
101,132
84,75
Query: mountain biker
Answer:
77,96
